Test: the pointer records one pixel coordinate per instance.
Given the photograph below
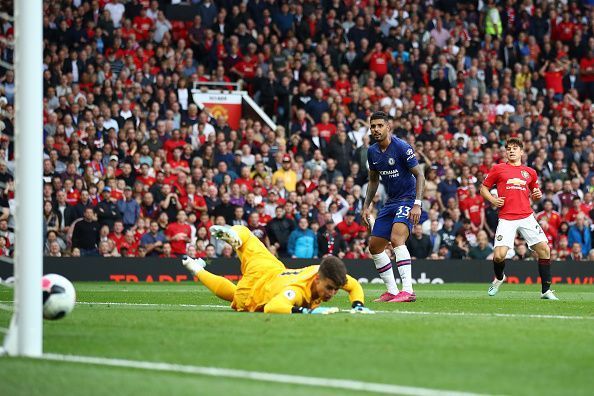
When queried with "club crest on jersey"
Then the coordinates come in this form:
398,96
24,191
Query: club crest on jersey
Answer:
290,294
391,161
525,174
499,237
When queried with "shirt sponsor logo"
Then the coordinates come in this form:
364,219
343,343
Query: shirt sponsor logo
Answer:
515,184
390,173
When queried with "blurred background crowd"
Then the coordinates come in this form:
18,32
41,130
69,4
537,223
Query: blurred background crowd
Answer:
132,166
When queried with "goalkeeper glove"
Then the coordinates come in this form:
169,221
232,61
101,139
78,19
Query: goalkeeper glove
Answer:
358,308
320,310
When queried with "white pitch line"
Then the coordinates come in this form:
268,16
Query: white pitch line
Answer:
428,313
258,376
425,313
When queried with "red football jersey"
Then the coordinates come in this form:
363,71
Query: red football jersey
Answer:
514,183
474,205
554,219
178,246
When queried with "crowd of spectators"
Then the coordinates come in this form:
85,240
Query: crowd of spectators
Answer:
132,167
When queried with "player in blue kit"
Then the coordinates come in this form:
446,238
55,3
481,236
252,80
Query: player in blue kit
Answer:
393,161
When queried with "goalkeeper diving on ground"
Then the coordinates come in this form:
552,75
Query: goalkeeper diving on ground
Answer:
268,286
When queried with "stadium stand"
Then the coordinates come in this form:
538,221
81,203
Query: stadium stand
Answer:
122,135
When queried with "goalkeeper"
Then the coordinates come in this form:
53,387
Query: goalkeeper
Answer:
268,286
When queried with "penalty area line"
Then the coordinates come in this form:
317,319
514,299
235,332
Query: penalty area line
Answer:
256,376
395,312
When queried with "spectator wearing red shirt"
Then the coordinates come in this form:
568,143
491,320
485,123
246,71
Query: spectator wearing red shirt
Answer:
474,209
587,203
245,179
553,76
349,228
145,178
343,83
177,163
142,25
72,194
117,236
566,29
173,143
587,73
263,217
130,244
378,60
179,234
325,128
246,68
552,217
575,209
192,201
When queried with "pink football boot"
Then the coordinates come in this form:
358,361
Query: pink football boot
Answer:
385,297
404,297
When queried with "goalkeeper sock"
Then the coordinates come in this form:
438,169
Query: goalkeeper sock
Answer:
220,286
403,263
384,267
544,269
498,268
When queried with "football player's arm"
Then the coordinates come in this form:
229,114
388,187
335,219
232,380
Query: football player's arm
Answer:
356,295
287,301
534,186
372,187
487,184
415,213
420,176
485,193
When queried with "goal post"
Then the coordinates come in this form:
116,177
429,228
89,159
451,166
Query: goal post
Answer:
25,336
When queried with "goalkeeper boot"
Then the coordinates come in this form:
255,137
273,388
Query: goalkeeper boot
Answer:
549,295
404,296
494,288
227,234
387,296
194,265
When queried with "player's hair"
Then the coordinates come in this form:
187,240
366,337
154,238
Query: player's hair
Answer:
334,269
514,142
380,115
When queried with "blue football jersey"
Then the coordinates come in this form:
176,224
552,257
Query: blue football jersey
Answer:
394,167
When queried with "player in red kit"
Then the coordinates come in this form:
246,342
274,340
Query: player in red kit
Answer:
516,184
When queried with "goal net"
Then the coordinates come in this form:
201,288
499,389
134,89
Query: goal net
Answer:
24,335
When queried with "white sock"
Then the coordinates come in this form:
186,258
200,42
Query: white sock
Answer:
403,263
384,267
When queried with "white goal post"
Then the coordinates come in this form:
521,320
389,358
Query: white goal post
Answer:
25,335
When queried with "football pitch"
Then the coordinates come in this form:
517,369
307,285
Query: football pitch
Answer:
178,339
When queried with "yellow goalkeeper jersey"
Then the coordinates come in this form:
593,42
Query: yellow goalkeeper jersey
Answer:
281,290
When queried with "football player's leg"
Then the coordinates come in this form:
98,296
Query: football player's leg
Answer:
380,236
538,242
400,233
504,241
220,286
253,254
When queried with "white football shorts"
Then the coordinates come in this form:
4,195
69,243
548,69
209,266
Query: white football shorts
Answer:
528,228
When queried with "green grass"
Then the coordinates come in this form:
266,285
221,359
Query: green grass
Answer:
449,339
